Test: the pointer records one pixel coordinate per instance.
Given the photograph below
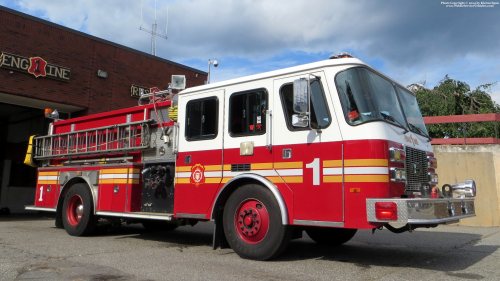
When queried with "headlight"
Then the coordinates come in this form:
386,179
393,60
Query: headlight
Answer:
398,174
433,178
397,155
432,162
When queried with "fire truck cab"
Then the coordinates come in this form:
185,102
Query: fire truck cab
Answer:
327,147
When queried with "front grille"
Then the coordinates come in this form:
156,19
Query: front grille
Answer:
416,168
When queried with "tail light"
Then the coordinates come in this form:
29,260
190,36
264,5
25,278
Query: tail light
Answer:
386,210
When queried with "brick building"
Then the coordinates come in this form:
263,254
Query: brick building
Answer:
46,65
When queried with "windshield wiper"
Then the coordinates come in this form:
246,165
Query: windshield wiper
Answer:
413,127
390,118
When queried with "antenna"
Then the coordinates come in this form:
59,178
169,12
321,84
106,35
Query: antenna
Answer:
153,30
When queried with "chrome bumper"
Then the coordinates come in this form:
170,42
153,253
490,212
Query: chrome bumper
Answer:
425,211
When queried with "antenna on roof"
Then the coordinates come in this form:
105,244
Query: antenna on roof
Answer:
153,30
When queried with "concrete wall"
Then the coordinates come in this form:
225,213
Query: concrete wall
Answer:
481,163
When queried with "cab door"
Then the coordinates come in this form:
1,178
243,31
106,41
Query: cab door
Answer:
309,160
199,160
247,141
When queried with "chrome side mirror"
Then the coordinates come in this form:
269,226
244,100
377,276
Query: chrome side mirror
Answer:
301,96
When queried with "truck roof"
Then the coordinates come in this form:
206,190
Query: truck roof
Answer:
279,72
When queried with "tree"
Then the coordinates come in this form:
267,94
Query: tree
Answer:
453,97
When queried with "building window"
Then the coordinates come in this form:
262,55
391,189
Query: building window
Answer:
202,119
320,115
247,113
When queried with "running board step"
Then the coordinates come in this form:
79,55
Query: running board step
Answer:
137,215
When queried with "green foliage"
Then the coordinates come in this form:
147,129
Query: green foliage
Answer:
452,97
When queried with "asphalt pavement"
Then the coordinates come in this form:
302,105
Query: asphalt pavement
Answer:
31,248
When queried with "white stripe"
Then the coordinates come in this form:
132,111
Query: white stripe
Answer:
290,172
216,174
332,171
265,173
113,176
134,176
47,178
367,171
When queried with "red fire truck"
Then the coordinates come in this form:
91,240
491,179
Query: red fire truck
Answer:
327,148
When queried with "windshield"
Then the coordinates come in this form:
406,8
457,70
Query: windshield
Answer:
367,97
412,111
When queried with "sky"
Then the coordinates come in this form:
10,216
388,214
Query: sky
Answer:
410,41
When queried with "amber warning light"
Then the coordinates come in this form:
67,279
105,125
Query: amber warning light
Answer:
52,114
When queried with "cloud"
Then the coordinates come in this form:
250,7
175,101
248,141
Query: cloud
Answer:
412,39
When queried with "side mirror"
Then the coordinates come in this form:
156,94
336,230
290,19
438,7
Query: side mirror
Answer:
301,96
300,120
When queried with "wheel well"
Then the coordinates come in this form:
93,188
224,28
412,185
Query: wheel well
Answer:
60,201
227,191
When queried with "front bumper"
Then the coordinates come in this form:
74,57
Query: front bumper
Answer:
425,211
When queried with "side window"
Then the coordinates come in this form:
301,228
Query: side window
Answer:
247,113
201,119
320,116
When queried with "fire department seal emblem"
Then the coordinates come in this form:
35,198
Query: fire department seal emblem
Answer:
37,66
197,174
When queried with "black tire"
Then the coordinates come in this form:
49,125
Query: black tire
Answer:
250,206
78,222
328,236
158,225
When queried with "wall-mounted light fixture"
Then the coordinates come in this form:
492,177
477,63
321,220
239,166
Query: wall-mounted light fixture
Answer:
102,74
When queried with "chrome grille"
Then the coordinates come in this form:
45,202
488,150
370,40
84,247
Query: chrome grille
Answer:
416,168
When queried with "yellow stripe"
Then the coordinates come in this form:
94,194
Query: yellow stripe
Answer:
275,179
213,167
293,179
47,182
119,180
366,178
261,166
224,180
48,173
183,169
212,180
227,167
182,180
332,178
105,181
366,162
135,171
287,165
107,171
133,181
121,171
332,163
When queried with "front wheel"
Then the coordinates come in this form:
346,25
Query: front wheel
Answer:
330,236
253,225
78,217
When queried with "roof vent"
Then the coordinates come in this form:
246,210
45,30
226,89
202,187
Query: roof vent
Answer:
341,55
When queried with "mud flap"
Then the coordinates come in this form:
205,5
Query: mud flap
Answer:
220,240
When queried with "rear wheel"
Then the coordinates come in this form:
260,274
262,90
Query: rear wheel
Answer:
158,225
78,217
330,236
252,223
